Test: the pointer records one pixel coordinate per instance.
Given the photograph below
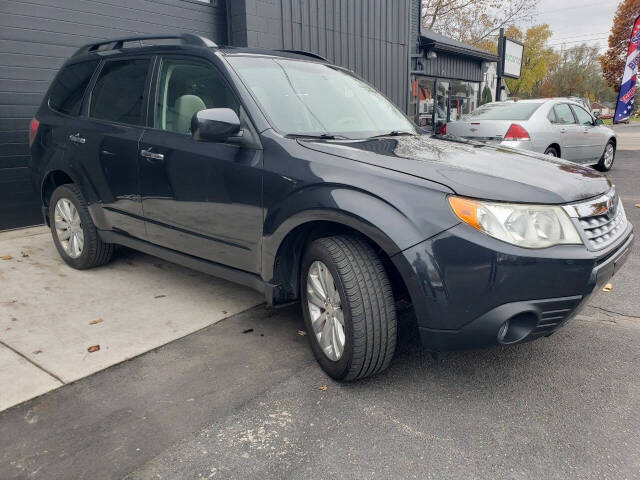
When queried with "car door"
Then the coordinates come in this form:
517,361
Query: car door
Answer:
567,132
593,138
201,198
104,141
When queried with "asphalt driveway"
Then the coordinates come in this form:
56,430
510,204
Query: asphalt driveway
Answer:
244,399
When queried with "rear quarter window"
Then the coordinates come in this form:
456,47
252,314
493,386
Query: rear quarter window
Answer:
504,111
69,86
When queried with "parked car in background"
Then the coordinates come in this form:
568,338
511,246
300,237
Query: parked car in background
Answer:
285,173
558,127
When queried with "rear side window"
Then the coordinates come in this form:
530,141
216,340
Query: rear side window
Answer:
563,114
69,86
504,111
118,94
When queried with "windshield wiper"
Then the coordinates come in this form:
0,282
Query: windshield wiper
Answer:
322,136
393,133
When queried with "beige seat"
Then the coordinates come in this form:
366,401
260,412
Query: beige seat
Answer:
184,109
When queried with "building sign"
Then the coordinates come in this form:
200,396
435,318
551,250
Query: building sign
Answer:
512,52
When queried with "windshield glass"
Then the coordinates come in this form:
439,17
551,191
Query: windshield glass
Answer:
504,111
307,98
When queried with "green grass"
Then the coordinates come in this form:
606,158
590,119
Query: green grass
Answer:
609,121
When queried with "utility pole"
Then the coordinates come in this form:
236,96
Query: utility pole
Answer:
500,64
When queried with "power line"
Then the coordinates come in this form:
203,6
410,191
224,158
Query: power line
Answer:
566,8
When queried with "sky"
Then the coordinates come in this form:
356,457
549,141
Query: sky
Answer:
575,21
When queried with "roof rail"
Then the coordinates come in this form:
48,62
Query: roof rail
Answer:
118,43
306,54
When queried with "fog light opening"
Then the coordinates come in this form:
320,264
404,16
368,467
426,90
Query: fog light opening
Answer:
517,328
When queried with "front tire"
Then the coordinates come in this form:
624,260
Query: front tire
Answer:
74,233
348,307
608,157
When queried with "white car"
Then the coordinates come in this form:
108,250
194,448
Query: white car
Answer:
558,127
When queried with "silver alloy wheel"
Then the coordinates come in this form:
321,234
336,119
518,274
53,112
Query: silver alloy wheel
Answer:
325,310
69,227
608,155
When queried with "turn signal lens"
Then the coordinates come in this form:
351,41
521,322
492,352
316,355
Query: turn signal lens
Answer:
528,226
467,210
516,132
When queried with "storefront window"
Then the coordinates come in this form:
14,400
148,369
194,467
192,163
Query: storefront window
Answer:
422,101
435,102
463,99
440,117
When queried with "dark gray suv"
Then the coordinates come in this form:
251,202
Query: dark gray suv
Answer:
280,171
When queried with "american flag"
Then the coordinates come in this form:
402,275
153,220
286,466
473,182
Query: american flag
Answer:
628,84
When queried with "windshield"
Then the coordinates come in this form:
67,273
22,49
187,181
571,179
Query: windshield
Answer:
307,98
504,111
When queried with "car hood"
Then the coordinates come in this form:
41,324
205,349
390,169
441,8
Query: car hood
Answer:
474,169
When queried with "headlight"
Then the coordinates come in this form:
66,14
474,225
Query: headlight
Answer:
529,226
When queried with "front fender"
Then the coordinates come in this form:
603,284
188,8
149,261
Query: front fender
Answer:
375,218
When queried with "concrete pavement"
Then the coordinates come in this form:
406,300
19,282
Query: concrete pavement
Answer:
51,314
221,403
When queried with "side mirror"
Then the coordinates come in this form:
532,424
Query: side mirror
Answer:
598,121
214,125
596,114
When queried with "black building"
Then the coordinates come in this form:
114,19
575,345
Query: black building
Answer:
430,77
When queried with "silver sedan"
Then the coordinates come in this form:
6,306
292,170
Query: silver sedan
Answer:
558,127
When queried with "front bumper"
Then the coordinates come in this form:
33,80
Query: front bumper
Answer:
465,285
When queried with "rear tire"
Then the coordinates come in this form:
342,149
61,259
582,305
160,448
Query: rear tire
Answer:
72,226
608,157
365,302
552,152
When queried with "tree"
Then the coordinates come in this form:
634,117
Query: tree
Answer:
476,22
614,59
537,59
578,73
487,96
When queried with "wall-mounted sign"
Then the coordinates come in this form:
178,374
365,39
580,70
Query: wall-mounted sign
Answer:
512,53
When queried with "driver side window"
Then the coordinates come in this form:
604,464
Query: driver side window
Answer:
185,87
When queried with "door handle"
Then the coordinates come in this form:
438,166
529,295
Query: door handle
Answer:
152,155
77,138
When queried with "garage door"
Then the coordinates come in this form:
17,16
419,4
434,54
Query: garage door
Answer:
36,36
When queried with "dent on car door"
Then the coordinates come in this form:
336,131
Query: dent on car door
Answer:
105,143
201,198
566,128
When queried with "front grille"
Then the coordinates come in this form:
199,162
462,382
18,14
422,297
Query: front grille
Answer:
602,230
602,220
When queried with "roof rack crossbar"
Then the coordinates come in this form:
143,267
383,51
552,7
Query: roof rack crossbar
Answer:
118,43
305,53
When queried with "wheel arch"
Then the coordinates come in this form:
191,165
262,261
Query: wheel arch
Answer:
557,148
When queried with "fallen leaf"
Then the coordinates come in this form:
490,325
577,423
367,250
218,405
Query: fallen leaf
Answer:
159,296
224,312
37,352
24,254
324,388
248,330
6,257
302,333
95,322
637,205
607,288
93,348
